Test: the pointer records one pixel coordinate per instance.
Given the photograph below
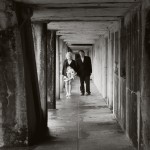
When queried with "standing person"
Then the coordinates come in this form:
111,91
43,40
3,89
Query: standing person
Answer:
69,72
84,70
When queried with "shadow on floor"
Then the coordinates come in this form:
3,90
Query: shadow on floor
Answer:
83,123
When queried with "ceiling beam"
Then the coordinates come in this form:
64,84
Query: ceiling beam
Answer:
74,1
80,26
70,32
79,42
80,47
75,13
66,19
79,36
86,5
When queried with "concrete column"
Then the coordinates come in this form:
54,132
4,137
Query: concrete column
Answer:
123,75
119,76
40,48
51,69
21,118
105,66
61,64
34,111
145,84
113,73
13,109
57,68
116,64
110,73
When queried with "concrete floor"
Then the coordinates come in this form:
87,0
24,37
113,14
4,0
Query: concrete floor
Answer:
83,123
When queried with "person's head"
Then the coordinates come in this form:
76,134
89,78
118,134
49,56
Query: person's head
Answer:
68,55
81,53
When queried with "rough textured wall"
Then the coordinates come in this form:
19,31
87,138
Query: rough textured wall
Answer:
123,47
61,64
35,118
110,73
51,65
57,68
40,48
13,112
99,65
145,97
130,113
63,49
103,70
116,62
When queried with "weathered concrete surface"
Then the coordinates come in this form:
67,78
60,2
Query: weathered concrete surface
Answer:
51,66
103,67
77,1
20,78
145,96
13,110
83,123
40,48
100,65
63,49
7,14
35,117
132,26
80,15
57,68
123,47
62,56
82,35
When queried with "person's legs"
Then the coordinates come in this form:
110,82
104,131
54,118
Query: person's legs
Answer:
69,88
82,85
66,87
87,81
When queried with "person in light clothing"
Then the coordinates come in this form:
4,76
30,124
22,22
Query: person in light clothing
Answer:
69,72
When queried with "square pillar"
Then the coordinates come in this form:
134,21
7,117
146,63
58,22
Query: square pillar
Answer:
51,69
57,68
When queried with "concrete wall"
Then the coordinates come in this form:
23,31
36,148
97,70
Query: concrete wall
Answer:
133,111
124,74
36,127
51,69
127,75
102,57
57,68
120,72
21,115
56,54
145,80
132,73
110,70
40,48
13,109
99,65
63,49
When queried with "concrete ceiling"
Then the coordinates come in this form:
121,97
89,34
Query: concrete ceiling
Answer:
80,22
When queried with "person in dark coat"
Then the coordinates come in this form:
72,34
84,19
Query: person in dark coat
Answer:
69,72
84,70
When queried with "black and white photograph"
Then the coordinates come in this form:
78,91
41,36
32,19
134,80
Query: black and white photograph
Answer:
74,74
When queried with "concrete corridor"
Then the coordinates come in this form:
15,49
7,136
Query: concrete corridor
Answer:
35,36
84,123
